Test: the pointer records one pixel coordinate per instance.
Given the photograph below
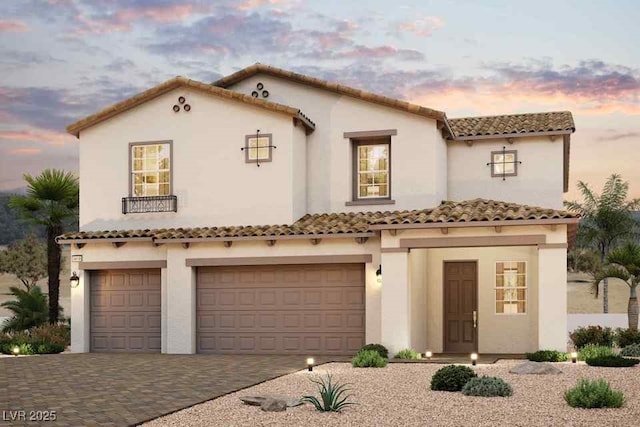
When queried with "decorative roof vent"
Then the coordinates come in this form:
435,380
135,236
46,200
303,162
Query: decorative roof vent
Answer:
260,91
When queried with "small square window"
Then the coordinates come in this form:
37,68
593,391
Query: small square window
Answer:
504,163
258,148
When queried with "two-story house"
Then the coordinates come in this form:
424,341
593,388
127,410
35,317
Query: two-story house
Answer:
272,212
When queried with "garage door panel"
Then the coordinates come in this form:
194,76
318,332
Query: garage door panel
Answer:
295,309
125,311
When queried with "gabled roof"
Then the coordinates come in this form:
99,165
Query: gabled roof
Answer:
175,83
554,122
330,86
477,212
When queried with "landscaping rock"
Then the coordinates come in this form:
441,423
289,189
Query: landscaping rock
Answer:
273,405
535,368
259,400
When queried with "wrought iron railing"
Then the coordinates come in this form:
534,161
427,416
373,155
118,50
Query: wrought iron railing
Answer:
149,204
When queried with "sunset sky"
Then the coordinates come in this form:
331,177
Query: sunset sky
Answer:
64,59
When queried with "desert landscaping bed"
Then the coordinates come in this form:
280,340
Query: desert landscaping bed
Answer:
400,395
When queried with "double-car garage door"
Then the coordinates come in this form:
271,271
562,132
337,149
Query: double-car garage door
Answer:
276,309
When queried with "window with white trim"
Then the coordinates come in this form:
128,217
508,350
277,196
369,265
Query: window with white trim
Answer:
372,171
151,169
511,287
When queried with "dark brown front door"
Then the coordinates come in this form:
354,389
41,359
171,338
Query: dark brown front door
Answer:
460,306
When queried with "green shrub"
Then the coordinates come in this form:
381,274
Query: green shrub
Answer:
626,337
591,351
45,339
333,396
25,349
382,350
612,362
593,394
547,356
487,387
407,353
595,335
632,350
451,378
368,359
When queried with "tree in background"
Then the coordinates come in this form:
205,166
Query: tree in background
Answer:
51,200
25,259
624,263
606,220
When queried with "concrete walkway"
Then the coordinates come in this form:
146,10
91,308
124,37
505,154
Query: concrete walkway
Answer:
126,389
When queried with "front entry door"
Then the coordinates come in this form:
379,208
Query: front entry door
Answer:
460,306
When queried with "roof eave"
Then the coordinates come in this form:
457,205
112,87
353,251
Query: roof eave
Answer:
462,224
511,135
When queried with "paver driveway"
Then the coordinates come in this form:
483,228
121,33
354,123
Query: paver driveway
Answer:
127,389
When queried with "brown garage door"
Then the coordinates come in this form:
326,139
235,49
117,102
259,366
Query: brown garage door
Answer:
125,311
284,309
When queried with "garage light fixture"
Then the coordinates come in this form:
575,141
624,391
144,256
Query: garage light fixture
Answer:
379,274
74,279
310,363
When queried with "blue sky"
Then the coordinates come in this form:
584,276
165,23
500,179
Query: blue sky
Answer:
64,59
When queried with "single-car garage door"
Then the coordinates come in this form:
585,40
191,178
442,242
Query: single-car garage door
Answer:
125,311
281,309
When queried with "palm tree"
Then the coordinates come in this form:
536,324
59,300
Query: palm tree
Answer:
29,309
624,263
51,201
606,220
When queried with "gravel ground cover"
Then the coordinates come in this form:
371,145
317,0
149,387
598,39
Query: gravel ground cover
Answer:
400,395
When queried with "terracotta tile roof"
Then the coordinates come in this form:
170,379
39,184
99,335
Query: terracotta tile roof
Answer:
175,83
555,121
335,224
330,86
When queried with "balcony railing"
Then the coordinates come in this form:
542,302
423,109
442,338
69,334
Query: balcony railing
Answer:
149,204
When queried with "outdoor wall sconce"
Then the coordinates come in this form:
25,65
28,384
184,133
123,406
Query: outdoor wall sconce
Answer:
574,357
474,358
428,354
379,274
310,363
74,279
16,350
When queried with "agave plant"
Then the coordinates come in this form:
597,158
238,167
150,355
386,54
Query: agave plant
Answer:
333,395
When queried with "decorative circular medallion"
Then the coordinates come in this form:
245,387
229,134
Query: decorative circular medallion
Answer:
265,93
176,108
254,94
260,86
181,100
187,107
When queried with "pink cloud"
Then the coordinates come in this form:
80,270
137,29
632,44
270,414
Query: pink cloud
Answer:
43,136
423,27
13,26
25,151
253,4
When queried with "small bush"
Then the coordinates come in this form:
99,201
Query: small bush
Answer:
333,395
593,394
382,350
632,350
626,337
595,335
368,359
45,339
487,387
547,356
591,351
408,353
612,362
451,378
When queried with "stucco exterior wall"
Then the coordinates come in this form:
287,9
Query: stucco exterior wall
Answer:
418,152
540,176
213,183
418,297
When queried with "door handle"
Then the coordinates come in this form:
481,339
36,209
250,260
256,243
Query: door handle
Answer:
475,319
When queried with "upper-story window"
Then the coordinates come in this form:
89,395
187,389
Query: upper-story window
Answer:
258,148
151,169
504,163
372,170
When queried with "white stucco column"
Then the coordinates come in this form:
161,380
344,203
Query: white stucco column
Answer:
80,312
395,302
552,299
180,303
